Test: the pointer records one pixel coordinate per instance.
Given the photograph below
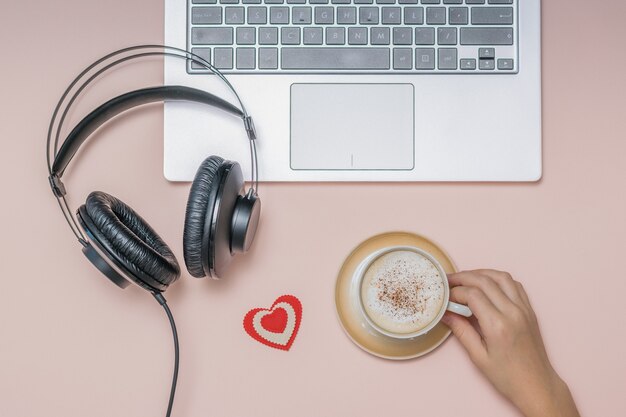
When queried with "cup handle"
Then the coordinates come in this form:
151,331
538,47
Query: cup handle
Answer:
459,309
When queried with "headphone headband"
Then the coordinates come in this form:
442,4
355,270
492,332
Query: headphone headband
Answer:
127,101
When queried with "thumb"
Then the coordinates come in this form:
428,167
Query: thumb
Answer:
466,333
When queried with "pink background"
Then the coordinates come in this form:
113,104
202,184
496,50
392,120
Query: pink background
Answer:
72,344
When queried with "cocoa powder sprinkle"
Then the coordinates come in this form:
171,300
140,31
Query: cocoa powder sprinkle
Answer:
406,289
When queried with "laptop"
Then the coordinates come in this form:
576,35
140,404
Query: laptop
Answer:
361,90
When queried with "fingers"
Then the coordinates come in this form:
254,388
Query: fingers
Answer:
485,283
468,336
524,296
506,295
505,281
477,301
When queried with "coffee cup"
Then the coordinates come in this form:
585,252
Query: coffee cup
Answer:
404,292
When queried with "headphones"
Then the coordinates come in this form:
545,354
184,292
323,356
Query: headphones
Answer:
221,217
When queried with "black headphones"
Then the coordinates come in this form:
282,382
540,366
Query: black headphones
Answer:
221,217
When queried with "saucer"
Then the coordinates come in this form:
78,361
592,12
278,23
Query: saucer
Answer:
351,317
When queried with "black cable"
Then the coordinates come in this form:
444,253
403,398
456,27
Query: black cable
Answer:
161,300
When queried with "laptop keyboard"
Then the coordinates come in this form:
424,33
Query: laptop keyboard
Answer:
354,36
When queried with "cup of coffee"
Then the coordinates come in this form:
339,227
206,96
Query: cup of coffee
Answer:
404,292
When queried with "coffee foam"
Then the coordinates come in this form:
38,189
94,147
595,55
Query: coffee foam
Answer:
402,291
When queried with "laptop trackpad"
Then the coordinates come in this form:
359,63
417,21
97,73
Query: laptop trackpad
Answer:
352,126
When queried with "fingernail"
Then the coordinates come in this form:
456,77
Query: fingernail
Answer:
445,319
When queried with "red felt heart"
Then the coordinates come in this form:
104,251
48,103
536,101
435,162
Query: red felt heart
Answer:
276,321
276,326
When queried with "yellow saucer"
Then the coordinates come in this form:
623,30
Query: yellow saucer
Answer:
351,316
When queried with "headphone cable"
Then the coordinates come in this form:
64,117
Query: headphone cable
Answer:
161,300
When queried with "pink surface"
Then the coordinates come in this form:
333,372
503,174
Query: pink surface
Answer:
72,344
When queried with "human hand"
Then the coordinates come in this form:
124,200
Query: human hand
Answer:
505,343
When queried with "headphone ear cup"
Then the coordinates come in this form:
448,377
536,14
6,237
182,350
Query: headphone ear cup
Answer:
218,243
129,241
245,222
200,206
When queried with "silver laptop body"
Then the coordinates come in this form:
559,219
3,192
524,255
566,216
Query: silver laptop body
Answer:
362,90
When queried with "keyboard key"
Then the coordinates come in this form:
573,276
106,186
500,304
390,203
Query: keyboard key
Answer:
452,1
245,36
488,53
363,1
407,1
318,1
312,36
431,1
279,15
380,36
257,15
296,1
268,36
447,59
212,36
385,1
357,36
486,36
274,1
424,58
486,64
402,58
324,15
335,58
413,15
500,1
446,36
346,15
234,15
268,58
474,1
251,1
492,15
468,64
458,15
290,36
301,15
204,53
204,1
505,64
424,36
206,15
246,58
223,58
391,15
340,1
435,15
229,1
402,36
368,15
335,36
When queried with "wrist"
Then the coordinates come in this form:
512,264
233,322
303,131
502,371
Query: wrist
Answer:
552,399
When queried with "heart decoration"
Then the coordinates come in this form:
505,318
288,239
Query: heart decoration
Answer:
276,326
